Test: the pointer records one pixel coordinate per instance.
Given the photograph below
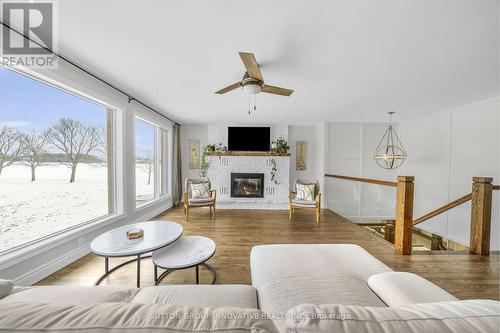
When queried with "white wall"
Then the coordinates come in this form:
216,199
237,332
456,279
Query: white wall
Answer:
321,159
445,150
189,132
349,152
303,133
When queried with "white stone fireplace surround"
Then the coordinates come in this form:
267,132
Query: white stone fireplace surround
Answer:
221,167
275,195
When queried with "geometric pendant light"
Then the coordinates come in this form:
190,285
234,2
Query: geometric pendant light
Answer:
390,153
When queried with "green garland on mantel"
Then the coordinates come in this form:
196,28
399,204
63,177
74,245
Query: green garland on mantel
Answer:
210,148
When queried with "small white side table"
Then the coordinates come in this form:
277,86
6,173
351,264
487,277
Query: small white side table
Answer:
114,243
187,252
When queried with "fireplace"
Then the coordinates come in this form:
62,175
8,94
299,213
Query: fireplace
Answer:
247,185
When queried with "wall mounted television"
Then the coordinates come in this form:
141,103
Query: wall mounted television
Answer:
248,138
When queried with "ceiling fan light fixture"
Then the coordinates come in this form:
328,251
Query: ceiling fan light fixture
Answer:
252,82
252,88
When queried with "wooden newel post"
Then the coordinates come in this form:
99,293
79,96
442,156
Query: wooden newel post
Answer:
404,215
481,215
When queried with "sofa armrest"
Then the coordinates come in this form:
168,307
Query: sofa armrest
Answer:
292,195
6,287
214,194
402,288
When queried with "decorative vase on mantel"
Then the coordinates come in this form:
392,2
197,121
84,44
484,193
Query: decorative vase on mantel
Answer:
274,147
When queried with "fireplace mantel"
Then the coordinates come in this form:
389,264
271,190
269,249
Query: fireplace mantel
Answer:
245,153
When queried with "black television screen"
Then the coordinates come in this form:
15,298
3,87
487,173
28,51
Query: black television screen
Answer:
248,138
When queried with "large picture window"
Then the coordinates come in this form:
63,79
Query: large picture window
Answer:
145,161
54,170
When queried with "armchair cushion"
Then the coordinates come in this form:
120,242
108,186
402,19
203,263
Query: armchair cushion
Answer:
201,201
200,191
304,203
305,192
307,182
189,182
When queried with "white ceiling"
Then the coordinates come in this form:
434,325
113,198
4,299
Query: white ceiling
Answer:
347,60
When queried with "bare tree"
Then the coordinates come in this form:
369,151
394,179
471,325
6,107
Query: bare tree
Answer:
147,162
36,144
76,140
12,146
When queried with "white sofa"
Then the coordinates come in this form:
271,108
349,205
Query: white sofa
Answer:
343,288
296,288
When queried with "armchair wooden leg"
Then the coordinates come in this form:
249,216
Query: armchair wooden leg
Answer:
318,213
214,212
187,213
210,209
290,214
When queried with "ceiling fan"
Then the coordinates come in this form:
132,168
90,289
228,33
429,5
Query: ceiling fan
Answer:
253,82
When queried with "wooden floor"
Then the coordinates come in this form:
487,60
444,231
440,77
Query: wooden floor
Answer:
236,231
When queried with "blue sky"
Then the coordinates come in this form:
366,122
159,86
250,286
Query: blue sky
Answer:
29,104
144,137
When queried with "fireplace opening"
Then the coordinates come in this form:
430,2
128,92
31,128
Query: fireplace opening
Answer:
247,185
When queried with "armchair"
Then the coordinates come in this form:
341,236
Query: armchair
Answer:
300,203
190,201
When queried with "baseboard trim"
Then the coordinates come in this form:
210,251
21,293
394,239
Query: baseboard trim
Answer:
46,269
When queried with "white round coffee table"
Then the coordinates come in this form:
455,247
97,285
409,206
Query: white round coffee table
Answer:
114,243
187,252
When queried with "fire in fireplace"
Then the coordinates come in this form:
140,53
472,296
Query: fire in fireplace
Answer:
247,185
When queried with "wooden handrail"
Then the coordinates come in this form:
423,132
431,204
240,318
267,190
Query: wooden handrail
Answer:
481,197
443,209
364,180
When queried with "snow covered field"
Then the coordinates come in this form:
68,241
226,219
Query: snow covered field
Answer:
29,211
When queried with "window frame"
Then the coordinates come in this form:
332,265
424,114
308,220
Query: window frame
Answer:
62,235
158,127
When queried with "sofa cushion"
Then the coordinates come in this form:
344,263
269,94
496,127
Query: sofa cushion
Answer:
129,317
240,296
70,294
402,288
445,317
288,275
6,287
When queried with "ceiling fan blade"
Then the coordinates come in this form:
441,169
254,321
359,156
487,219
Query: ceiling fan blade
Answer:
251,66
276,90
229,88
